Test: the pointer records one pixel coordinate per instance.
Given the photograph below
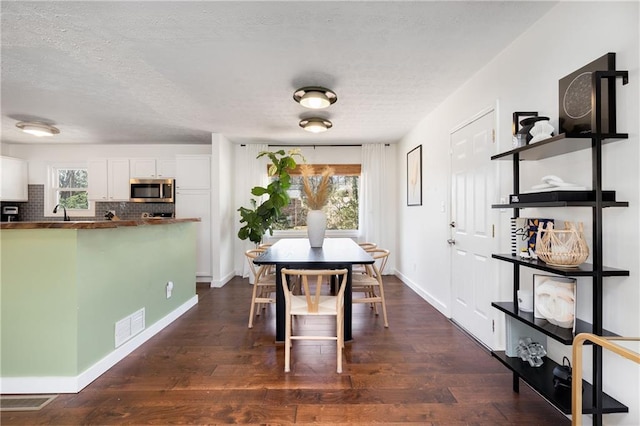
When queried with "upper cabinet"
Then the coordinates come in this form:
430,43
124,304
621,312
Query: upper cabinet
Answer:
14,179
109,179
193,172
160,168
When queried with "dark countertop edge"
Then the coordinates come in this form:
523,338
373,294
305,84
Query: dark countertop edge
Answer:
90,224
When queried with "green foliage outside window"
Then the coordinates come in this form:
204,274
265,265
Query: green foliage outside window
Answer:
342,207
73,200
72,188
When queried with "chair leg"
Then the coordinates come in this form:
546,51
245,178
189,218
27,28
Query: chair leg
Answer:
339,342
287,344
253,304
384,306
374,305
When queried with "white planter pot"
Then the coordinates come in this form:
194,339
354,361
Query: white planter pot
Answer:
316,226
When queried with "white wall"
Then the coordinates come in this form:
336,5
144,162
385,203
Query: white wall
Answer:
524,77
223,210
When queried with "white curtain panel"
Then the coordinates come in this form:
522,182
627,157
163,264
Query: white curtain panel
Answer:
250,172
377,222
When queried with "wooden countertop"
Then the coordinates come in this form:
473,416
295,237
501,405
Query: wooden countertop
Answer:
92,224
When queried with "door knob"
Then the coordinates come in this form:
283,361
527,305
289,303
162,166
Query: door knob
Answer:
451,242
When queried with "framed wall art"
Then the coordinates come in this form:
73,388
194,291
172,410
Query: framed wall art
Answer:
414,177
554,299
576,98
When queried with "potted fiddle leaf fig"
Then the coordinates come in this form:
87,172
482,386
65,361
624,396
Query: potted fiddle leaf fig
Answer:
259,219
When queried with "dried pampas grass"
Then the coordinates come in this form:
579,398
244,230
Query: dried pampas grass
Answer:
317,195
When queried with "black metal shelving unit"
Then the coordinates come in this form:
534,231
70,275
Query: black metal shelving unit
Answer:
538,378
595,401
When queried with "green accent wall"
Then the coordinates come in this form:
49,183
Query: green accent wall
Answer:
63,290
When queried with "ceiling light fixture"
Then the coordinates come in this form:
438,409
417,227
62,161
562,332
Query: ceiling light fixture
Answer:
315,97
38,129
316,124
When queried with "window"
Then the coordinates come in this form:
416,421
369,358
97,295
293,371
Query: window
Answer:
68,187
342,208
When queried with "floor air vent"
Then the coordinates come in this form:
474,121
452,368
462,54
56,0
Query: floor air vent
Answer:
128,327
24,402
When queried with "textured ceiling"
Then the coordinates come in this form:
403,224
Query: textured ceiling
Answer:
175,72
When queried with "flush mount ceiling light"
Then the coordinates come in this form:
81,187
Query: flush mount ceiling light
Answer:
37,129
315,97
316,125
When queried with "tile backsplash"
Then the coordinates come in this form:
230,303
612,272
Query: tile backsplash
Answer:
33,210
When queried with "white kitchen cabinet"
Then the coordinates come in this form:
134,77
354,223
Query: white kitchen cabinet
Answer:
108,179
166,168
98,180
155,168
14,179
193,172
142,168
192,203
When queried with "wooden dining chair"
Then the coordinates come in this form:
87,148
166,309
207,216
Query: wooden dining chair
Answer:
370,283
265,246
366,246
313,303
264,284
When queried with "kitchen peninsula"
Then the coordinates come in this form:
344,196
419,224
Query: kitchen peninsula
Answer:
77,297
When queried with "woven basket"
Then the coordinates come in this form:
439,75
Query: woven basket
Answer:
562,247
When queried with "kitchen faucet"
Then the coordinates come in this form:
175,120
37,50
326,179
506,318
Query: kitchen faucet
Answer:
55,210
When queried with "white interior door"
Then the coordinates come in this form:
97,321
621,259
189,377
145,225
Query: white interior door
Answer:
474,278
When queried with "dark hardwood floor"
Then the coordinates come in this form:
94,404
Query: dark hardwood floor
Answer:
209,368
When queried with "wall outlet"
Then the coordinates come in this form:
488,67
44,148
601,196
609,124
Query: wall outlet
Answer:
169,288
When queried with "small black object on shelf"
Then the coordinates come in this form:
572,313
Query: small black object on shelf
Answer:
562,374
550,196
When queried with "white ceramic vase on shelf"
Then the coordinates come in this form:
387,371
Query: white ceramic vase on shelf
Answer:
316,226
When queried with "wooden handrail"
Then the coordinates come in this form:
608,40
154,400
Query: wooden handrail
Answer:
576,384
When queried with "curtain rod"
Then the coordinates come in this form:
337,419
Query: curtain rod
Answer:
313,146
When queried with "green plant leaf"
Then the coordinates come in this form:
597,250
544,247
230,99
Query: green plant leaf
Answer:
259,191
259,219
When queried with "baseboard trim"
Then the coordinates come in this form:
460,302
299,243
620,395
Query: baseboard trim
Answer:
221,282
74,384
442,307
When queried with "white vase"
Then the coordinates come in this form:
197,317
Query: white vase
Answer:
316,226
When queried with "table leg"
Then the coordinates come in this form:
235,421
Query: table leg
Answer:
280,308
347,307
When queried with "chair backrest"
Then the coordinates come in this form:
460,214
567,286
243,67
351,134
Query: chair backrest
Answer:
252,254
368,246
312,292
380,257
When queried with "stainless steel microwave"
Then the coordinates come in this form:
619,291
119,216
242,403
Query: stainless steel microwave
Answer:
151,190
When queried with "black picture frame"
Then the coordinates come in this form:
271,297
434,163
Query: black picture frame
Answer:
518,116
414,176
576,99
